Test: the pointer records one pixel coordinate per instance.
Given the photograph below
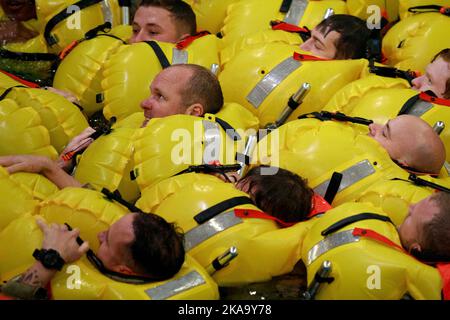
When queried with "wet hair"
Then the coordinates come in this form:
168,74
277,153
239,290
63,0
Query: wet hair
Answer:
445,55
182,14
284,195
354,34
203,87
435,242
158,248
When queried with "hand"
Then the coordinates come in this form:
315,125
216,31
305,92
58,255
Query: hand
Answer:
80,142
58,238
26,163
66,94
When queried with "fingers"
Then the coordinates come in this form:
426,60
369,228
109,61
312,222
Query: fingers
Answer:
42,225
84,248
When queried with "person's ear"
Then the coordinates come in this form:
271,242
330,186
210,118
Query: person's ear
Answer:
195,109
415,247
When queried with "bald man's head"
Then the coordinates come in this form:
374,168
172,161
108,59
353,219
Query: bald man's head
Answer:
411,142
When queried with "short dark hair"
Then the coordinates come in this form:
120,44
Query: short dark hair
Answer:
181,11
158,248
284,195
354,35
203,87
435,240
445,55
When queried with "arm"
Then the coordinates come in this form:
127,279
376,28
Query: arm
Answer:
39,164
37,277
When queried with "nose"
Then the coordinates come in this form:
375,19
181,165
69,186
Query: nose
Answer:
147,103
138,37
306,45
417,83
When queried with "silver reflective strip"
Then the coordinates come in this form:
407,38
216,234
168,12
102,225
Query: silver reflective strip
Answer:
419,108
332,241
211,142
447,167
271,80
210,228
296,12
350,176
107,12
179,56
191,280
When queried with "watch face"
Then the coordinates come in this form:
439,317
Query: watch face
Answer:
50,259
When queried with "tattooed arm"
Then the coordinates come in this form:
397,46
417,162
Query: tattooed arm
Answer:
30,284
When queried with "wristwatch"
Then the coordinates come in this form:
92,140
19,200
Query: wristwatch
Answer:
49,258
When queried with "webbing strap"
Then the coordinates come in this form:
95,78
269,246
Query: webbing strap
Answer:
352,219
213,211
7,91
62,15
333,187
159,54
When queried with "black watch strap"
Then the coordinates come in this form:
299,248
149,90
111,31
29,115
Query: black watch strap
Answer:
49,258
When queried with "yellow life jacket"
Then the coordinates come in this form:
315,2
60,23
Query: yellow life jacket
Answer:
315,150
210,14
38,185
270,74
169,145
62,119
22,132
129,72
367,99
246,17
192,282
107,163
80,72
353,265
404,44
205,208
15,200
405,5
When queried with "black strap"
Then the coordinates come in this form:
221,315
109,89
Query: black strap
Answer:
430,8
421,182
285,6
349,220
62,15
159,54
105,27
408,105
339,116
230,131
118,198
7,91
125,3
213,211
333,187
391,72
211,168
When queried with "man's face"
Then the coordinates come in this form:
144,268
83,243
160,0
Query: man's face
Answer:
435,78
321,45
114,243
154,23
165,93
394,136
419,214
21,10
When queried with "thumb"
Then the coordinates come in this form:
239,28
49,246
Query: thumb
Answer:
84,248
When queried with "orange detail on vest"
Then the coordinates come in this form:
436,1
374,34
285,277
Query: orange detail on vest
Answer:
444,270
68,49
279,25
183,44
426,97
249,213
320,205
306,57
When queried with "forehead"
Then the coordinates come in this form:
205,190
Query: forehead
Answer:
152,15
122,232
440,69
174,77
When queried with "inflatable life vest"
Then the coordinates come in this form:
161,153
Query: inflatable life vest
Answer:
404,46
246,17
345,253
80,71
381,99
107,162
407,8
37,185
210,14
212,214
62,119
314,150
90,212
22,132
15,200
167,146
280,32
129,72
271,74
